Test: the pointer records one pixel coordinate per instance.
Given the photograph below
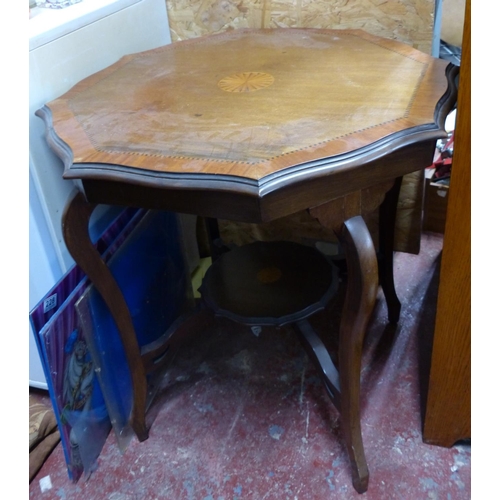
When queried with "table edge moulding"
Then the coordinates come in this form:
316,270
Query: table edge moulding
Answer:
262,197
338,179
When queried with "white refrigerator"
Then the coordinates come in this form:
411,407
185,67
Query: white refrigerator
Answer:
67,45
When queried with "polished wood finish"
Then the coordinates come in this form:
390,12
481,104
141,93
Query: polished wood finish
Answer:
269,283
387,223
167,104
76,236
254,125
359,302
362,284
448,409
143,360
226,199
160,118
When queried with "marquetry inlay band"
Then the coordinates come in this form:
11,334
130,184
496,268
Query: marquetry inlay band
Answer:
246,82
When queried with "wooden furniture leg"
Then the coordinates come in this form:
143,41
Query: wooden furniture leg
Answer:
217,247
362,284
343,217
387,223
141,360
76,236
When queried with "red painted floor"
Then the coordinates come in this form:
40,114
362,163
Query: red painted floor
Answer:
246,417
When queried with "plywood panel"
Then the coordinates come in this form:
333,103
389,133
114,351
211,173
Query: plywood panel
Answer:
452,21
410,21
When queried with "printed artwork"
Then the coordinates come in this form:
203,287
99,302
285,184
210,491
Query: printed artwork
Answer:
80,347
76,396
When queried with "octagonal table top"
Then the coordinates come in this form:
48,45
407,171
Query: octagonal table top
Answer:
252,107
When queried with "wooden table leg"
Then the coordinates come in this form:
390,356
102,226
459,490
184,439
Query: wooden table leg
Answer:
217,247
362,284
387,223
343,217
76,236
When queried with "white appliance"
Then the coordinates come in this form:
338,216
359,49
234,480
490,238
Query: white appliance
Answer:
66,46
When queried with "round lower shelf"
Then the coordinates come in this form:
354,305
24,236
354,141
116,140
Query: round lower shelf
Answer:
269,283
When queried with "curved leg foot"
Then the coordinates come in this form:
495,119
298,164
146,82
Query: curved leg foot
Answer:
362,284
387,221
76,236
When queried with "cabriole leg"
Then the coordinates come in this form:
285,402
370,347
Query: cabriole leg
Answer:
76,236
362,284
387,222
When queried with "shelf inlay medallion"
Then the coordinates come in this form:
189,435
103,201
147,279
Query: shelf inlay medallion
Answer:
248,81
269,275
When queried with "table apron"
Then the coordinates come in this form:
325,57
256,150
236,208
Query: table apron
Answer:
290,196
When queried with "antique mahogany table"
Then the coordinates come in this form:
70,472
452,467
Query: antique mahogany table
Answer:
254,125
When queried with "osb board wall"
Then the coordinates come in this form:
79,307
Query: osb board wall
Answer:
452,21
410,21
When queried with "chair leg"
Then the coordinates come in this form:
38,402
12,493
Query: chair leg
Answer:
362,283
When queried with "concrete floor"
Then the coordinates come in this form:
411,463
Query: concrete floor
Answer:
246,417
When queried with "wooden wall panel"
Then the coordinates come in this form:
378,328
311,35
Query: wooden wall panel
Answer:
410,21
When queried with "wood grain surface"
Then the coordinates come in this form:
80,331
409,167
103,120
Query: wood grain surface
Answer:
333,92
448,410
157,125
